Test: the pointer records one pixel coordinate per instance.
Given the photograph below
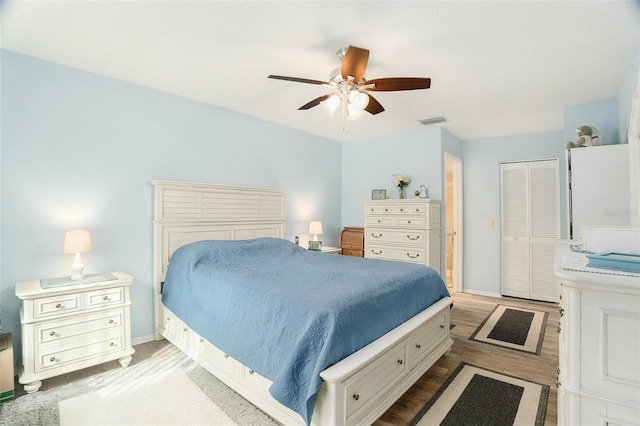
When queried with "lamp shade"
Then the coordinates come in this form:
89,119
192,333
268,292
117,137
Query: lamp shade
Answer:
315,227
77,241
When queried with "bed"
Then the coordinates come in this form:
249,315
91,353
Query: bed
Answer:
358,385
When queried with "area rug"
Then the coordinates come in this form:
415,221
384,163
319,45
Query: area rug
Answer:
475,396
168,389
513,328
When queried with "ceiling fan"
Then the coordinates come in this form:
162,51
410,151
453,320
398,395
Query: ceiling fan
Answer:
351,89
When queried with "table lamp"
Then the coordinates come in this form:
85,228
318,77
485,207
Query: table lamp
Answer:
315,228
77,241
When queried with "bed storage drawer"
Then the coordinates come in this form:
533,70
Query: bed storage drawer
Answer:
361,390
428,336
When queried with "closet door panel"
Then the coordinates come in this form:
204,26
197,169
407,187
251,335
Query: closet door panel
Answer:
530,226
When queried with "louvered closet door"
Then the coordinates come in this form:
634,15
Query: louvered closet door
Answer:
515,230
545,228
530,228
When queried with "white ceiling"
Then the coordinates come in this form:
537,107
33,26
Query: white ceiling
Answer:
497,68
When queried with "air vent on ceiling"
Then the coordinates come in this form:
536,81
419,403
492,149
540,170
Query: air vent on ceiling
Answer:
434,120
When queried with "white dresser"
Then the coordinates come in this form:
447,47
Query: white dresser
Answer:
599,368
72,327
406,230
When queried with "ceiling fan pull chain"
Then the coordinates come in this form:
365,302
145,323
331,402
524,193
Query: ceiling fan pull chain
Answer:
345,110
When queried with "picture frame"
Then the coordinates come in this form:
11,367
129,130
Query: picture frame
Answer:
379,194
315,245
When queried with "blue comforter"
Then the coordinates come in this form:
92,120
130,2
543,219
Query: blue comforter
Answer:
289,313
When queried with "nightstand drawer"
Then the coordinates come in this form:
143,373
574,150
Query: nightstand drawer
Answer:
55,305
59,358
352,252
58,331
97,298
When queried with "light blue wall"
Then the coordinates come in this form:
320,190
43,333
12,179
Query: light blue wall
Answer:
79,150
602,115
481,160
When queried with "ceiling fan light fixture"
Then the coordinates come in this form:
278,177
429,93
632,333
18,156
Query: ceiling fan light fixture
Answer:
355,113
359,100
330,104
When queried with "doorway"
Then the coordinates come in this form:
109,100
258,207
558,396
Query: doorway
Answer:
453,223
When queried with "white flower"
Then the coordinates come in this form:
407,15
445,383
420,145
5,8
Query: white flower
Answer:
401,181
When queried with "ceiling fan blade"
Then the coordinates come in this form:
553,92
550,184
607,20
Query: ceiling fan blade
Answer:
399,83
297,79
374,106
354,63
314,102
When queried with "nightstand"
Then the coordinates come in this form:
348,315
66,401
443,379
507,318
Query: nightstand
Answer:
71,327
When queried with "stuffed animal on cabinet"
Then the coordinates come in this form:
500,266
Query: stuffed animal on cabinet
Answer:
587,136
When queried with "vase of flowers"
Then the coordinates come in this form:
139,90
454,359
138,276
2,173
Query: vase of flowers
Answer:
401,181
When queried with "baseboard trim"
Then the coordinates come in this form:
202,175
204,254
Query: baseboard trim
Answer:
481,293
142,339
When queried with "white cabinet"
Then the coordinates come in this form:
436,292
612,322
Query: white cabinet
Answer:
72,327
406,230
599,370
530,227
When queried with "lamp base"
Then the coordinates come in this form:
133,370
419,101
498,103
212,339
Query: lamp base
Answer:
77,268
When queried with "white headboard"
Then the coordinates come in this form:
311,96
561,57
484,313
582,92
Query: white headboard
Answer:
187,212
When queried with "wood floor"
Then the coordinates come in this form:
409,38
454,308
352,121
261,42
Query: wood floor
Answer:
468,312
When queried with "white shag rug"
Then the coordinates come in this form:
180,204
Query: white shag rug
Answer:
163,398
168,389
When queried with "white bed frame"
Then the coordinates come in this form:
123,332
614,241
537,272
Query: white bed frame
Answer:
358,389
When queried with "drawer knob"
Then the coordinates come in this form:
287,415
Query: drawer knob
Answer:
58,306
400,362
386,210
560,296
105,298
251,371
413,257
184,329
409,222
52,359
559,329
379,221
226,356
401,210
418,346
413,238
201,340
111,321
561,312
112,344
441,325
53,333
376,236
356,396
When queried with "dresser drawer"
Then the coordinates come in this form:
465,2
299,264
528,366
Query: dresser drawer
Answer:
415,255
353,252
400,209
59,358
80,326
408,221
362,390
408,237
428,336
55,305
99,298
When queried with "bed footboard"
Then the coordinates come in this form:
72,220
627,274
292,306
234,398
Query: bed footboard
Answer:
357,390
